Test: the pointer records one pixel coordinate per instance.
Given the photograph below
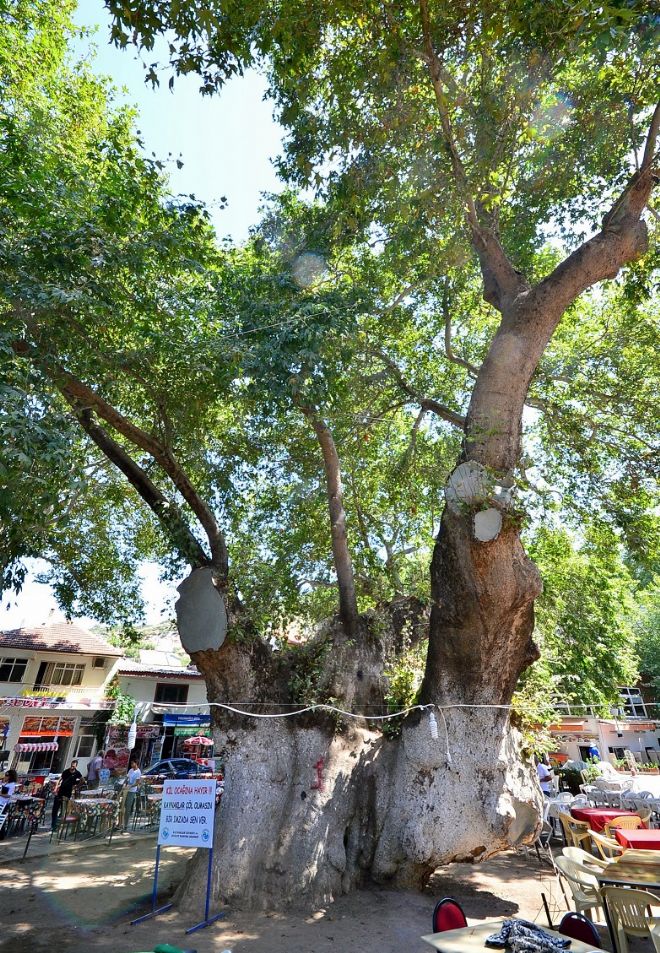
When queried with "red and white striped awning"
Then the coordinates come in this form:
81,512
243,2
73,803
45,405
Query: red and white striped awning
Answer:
37,746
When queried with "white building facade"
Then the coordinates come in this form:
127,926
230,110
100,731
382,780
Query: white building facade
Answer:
633,726
53,701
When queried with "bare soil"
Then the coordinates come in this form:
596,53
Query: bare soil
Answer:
75,899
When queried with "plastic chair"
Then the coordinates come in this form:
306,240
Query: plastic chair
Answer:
582,884
628,822
579,856
655,936
644,813
630,913
448,915
576,833
607,847
579,927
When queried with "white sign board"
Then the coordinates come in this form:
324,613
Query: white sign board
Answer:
187,813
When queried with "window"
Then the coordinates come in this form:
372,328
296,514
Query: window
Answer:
618,753
98,663
633,703
60,673
171,694
12,669
86,739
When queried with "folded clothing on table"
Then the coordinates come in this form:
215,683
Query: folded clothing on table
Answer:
521,936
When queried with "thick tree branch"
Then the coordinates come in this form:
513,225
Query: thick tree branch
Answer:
426,403
502,282
80,394
623,238
167,513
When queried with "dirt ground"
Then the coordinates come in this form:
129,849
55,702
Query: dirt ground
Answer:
75,899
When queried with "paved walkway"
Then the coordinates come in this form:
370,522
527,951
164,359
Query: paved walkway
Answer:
12,848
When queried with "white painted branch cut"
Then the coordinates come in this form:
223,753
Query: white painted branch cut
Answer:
200,612
487,525
469,483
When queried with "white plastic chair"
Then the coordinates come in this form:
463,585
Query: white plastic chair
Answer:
608,848
582,857
582,884
630,913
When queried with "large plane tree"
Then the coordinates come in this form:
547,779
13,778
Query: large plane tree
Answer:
509,148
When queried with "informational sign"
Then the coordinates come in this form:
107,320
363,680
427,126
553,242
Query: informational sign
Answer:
190,720
187,813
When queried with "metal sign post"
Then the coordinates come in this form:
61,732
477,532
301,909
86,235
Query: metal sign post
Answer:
186,820
154,896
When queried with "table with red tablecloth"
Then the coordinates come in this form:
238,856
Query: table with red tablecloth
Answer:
638,840
598,817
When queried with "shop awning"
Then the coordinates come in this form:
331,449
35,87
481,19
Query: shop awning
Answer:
566,726
37,746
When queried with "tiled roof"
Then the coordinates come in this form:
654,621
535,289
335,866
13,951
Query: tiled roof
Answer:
60,637
129,667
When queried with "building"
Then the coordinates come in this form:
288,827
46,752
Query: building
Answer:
633,726
53,702
162,733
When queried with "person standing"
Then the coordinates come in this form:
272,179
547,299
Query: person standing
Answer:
70,778
544,774
93,769
132,777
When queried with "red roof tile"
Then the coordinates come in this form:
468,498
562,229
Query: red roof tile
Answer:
60,637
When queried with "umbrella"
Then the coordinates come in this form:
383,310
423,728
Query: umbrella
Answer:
199,740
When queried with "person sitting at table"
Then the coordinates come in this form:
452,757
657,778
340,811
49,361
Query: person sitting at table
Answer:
70,778
9,785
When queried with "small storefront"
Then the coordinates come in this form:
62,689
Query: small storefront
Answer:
43,744
146,750
177,729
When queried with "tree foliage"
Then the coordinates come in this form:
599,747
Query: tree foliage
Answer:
360,305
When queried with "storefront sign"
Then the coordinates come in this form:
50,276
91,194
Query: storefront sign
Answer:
187,814
28,702
49,725
186,719
47,701
118,734
191,732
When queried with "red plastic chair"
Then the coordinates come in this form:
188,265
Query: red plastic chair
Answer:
579,927
448,915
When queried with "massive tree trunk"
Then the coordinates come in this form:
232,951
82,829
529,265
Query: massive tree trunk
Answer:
317,805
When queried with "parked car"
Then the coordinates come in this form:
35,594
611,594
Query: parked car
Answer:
175,768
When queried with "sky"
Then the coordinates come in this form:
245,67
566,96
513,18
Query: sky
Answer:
227,144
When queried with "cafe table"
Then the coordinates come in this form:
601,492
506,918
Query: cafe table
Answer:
598,817
473,939
632,869
639,839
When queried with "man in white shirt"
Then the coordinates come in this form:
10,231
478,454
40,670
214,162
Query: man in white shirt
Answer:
545,777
